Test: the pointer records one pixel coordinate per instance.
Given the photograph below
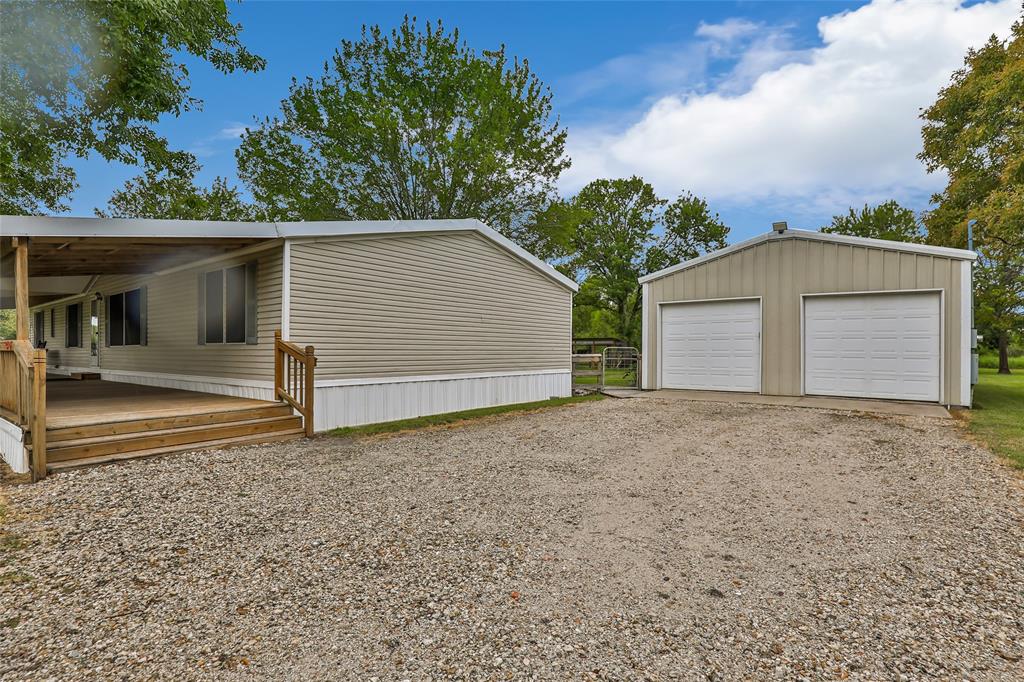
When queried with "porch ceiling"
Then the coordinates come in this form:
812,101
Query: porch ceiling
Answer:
65,256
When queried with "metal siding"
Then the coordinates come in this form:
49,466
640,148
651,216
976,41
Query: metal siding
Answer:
780,271
173,316
415,305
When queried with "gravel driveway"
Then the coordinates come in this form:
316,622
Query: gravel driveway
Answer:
641,538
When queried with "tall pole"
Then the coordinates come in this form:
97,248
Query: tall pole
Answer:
21,287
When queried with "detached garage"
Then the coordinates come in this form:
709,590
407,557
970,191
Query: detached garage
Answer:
796,313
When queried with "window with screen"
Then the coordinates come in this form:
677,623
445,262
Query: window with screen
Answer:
126,318
73,325
227,300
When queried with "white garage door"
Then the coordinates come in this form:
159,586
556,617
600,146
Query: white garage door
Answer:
713,346
873,346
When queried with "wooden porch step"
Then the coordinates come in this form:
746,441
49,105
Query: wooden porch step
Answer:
131,442
111,428
291,434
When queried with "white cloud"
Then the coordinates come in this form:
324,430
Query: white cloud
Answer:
815,129
232,131
729,30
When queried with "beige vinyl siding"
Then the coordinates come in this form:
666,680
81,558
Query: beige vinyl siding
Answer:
172,330
781,270
57,352
412,305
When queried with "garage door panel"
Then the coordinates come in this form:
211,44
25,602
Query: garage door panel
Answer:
711,345
874,346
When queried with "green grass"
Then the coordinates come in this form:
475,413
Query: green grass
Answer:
453,417
998,414
613,377
991,361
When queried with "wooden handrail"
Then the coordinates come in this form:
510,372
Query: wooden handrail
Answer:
294,377
23,395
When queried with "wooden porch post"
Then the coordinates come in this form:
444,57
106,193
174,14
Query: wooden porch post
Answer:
38,424
21,287
310,364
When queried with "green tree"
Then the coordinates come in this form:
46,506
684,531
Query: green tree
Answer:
885,221
174,195
975,133
8,326
999,304
82,77
409,125
615,240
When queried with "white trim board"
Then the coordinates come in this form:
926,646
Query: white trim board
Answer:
128,375
330,383
883,244
286,291
645,310
966,328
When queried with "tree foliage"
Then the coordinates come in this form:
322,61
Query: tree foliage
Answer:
409,124
83,76
174,195
8,324
975,133
621,230
885,221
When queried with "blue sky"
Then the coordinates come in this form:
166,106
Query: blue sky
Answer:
769,110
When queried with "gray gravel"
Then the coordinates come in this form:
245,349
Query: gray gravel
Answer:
642,538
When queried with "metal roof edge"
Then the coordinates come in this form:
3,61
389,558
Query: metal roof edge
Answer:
64,226
885,244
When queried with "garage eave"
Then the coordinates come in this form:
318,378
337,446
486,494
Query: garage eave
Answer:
884,244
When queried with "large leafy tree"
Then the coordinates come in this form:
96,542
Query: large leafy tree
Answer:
622,230
82,77
975,133
885,221
175,195
409,124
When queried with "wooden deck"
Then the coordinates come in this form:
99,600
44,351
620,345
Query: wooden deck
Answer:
97,422
71,403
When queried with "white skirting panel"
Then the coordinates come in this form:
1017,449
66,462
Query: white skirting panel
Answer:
370,403
241,389
12,448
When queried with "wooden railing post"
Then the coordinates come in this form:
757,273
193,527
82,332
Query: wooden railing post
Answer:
39,415
278,368
310,364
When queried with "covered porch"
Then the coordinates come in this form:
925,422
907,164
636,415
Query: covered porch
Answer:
52,418
74,403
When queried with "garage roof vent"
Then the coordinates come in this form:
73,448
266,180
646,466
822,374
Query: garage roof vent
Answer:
780,226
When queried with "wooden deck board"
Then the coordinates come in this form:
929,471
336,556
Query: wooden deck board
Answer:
79,403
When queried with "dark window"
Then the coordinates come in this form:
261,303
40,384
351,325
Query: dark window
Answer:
132,317
73,325
234,305
40,333
115,324
53,322
126,323
215,306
